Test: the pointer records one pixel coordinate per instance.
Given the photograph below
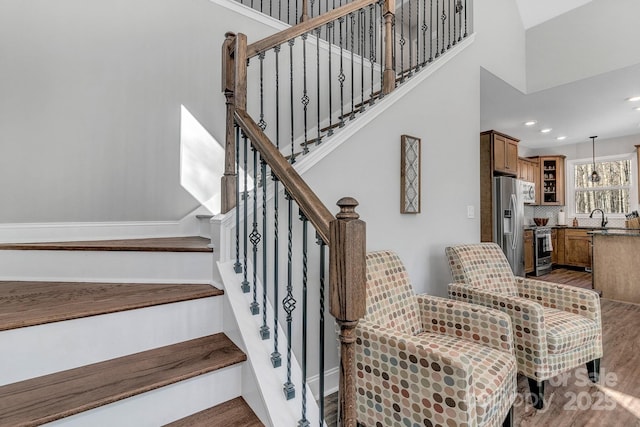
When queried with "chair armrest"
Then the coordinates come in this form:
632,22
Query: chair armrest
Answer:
471,322
584,302
429,366
527,317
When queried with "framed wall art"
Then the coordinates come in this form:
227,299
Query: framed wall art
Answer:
410,175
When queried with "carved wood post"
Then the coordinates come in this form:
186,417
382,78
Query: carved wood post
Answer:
228,180
389,74
305,11
347,274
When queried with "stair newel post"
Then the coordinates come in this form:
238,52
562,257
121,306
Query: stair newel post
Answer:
389,75
347,273
228,180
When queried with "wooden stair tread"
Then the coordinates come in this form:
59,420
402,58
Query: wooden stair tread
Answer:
25,304
62,394
232,413
163,244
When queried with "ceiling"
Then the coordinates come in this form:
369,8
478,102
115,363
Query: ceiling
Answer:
577,110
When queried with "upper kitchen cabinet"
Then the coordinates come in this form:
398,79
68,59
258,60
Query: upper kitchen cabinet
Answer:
501,151
552,180
529,170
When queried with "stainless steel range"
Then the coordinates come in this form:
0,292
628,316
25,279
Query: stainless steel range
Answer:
542,250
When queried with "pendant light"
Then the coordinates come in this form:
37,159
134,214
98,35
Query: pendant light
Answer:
594,175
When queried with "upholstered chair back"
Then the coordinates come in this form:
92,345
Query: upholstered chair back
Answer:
391,302
483,266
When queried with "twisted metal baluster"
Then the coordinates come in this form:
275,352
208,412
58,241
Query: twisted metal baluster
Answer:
424,29
403,41
443,17
382,44
305,97
292,160
276,360
341,76
304,422
449,25
465,19
289,303
245,282
455,12
352,19
254,237
361,19
430,34
320,242
319,137
237,267
417,34
459,10
261,123
331,33
264,329
410,73
372,48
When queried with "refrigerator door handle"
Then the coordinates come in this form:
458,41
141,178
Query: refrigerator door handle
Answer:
514,228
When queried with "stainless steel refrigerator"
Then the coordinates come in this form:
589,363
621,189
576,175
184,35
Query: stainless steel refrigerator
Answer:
508,220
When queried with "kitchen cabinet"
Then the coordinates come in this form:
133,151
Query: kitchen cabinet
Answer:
577,247
557,240
498,156
552,180
529,170
528,251
502,150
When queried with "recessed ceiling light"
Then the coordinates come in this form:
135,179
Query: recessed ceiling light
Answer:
530,123
547,130
561,138
634,99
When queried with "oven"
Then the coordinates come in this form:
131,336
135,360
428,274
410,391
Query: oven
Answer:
542,250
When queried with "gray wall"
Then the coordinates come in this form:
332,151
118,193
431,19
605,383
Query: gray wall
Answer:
90,100
569,47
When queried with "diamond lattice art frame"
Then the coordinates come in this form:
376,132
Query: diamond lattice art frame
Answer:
410,175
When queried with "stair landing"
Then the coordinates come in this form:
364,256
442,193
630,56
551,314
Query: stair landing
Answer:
33,303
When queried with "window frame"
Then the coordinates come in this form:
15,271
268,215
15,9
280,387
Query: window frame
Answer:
570,183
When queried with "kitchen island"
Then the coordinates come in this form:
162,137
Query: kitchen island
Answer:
616,269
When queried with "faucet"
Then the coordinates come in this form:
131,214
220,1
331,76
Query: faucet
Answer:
604,220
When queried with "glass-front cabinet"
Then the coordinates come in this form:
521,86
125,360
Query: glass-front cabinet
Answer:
552,180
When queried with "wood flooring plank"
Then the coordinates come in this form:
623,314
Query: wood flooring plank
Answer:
51,397
233,413
25,304
164,244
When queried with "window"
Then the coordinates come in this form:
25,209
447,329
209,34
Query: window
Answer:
612,193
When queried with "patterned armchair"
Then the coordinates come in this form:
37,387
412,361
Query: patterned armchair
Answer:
424,360
556,327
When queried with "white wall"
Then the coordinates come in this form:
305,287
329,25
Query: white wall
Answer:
598,37
583,150
90,104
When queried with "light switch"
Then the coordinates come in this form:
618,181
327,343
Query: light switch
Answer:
471,212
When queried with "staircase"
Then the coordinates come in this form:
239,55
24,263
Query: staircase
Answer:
83,346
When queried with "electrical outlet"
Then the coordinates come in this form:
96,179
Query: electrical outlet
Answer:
471,212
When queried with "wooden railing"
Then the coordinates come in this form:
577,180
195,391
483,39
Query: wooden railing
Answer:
363,30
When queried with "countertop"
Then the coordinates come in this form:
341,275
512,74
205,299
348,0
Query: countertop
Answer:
631,232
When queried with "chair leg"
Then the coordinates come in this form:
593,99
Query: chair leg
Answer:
537,393
593,368
508,421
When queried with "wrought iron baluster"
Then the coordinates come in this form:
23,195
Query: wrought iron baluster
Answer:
293,153
304,422
245,282
431,31
237,267
264,329
443,17
459,10
372,48
352,21
276,359
276,50
361,19
289,303
261,123
332,35
254,237
437,29
410,73
449,25
305,97
319,137
465,19
321,328
424,29
403,41
341,76
455,13
382,44
417,34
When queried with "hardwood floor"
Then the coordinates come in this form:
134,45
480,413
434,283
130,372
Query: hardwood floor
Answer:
571,399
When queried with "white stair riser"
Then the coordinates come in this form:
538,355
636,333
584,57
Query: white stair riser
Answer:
43,349
107,266
164,405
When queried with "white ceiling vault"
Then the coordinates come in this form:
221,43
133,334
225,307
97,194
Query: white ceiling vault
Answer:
576,110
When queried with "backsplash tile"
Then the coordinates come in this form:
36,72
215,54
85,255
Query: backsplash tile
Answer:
551,212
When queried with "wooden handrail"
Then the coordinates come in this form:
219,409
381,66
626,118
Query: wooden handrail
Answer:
304,27
313,209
